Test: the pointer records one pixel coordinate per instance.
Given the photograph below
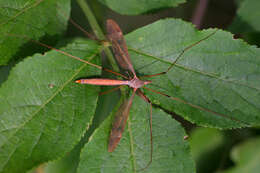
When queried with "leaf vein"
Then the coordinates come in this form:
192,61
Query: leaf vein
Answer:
212,75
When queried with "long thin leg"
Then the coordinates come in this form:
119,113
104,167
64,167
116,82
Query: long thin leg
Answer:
92,37
196,106
110,90
180,55
67,54
146,65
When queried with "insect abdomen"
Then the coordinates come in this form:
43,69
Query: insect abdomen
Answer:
98,81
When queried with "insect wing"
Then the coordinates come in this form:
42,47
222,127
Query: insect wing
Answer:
115,36
119,123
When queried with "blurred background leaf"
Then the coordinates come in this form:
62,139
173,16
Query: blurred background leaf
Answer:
134,7
246,156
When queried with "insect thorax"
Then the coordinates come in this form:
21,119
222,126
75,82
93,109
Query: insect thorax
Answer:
137,83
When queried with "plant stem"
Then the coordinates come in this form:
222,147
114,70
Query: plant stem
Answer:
98,31
100,35
199,13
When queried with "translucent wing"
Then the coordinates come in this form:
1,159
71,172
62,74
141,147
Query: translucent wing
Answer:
119,123
115,36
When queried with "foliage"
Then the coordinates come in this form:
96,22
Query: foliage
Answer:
134,7
247,17
45,116
246,157
36,19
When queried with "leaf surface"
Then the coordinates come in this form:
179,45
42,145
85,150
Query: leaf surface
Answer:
43,113
219,74
171,152
246,157
247,17
35,19
208,146
135,7
203,140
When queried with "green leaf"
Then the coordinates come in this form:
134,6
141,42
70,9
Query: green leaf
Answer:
207,148
246,157
43,113
247,17
67,164
219,74
35,19
203,140
135,7
239,2
171,152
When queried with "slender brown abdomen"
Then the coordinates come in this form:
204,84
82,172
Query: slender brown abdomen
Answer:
98,81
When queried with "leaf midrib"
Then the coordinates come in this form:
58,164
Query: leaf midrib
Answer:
131,144
21,12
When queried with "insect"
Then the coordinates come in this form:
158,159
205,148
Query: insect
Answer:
115,36
125,63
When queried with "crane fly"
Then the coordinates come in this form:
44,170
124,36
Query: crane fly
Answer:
115,37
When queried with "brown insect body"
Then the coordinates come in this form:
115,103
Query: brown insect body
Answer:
115,36
137,83
101,81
